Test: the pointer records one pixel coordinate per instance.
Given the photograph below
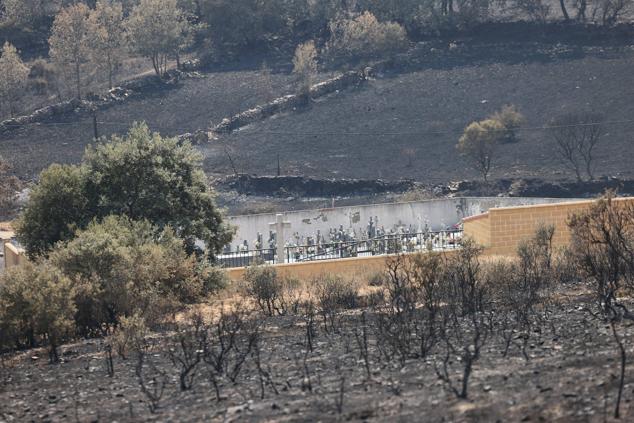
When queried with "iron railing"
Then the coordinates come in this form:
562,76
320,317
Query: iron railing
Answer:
387,244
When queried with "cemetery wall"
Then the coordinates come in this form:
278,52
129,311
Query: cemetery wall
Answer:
358,268
478,228
437,214
13,256
502,229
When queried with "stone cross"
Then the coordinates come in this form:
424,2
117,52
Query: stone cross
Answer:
280,240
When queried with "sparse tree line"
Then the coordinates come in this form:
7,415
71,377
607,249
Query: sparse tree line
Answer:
575,137
89,41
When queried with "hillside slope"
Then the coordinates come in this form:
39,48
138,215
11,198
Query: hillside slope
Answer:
406,125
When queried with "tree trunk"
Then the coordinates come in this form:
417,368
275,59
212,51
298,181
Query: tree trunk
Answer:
564,10
109,71
78,80
619,342
581,13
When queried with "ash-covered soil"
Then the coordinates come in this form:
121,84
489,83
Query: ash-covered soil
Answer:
570,375
192,104
407,124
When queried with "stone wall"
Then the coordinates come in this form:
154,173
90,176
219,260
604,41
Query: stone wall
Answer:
289,102
97,102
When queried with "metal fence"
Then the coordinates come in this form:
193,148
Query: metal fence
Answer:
387,244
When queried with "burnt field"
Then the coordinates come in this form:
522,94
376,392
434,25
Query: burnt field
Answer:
406,124
403,123
192,104
569,374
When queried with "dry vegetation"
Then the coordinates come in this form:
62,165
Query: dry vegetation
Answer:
542,336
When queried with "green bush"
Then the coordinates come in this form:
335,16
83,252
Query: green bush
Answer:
364,38
36,307
511,119
336,293
121,267
263,285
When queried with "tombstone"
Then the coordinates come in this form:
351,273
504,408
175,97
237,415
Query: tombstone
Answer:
280,226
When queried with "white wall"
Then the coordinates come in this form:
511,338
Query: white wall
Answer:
438,214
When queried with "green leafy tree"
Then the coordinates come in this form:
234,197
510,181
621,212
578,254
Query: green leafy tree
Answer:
479,143
70,42
142,176
122,267
14,77
108,37
56,206
158,29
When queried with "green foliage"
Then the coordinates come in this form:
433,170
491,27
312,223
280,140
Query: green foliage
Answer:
57,205
478,143
121,267
263,285
511,118
335,293
36,305
364,37
142,176
9,186
107,38
158,29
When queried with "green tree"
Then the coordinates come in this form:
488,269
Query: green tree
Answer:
142,176
56,206
70,42
158,29
9,186
108,37
479,143
14,76
122,267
